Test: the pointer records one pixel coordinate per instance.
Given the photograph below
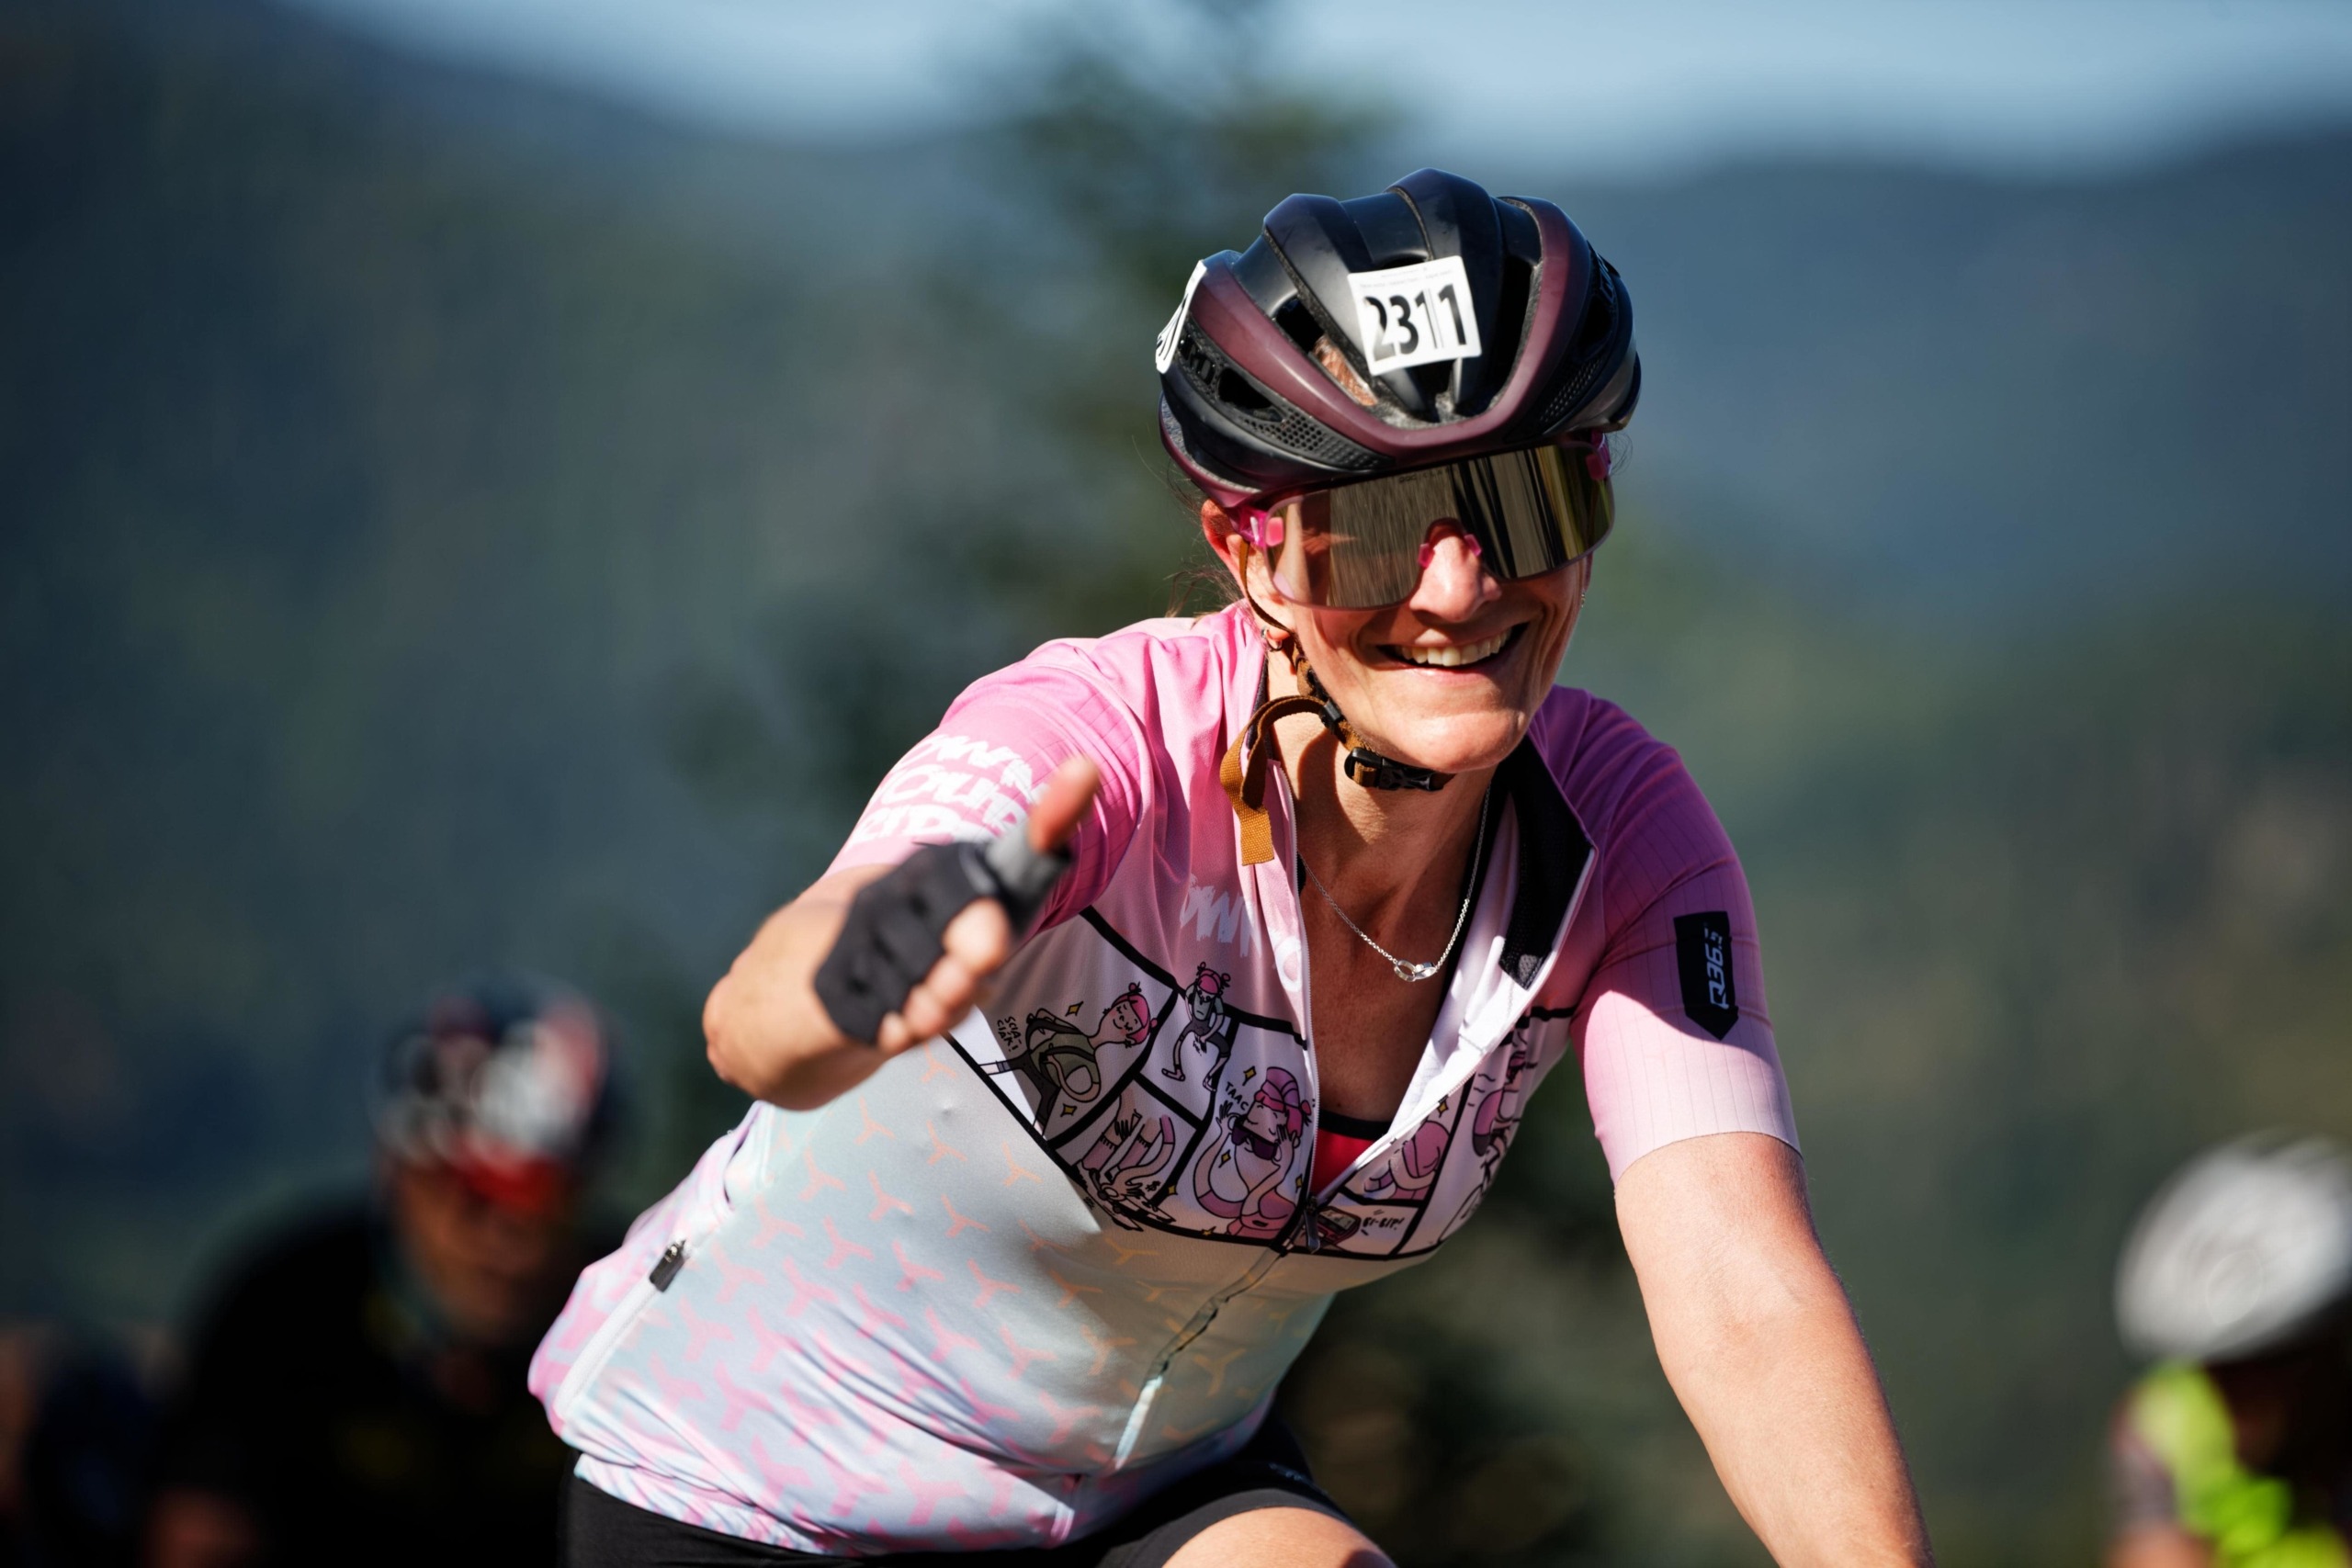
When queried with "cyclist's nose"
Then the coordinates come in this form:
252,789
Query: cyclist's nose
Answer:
1454,583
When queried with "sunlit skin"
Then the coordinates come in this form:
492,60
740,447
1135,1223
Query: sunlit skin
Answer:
493,1270
2159,1546
1751,1325
1461,721
1397,859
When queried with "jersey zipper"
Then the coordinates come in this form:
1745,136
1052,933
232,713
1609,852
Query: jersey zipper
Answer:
1302,1218
607,1337
1198,1325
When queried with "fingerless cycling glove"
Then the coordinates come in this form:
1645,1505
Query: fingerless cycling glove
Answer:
892,935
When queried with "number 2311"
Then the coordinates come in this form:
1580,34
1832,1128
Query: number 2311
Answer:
1398,320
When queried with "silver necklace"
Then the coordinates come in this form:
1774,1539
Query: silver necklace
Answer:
1407,970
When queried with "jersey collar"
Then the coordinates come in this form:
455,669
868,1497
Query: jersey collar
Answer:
1553,851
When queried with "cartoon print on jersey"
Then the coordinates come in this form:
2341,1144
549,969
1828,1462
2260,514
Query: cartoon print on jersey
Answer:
1123,1166
1407,1173
1062,1063
1180,1119
1210,1027
1497,1097
1378,1208
1242,1171
1410,1195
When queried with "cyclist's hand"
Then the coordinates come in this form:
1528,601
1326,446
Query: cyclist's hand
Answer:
772,1035
978,941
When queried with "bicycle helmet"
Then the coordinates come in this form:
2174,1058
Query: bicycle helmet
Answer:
1426,324
2245,1248
1271,373
506,1081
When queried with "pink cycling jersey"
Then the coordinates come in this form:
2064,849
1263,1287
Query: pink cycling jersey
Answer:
1059,1257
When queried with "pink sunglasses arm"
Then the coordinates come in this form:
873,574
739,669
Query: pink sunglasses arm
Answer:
1261,527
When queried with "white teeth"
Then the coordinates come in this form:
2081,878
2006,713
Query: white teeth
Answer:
1454,657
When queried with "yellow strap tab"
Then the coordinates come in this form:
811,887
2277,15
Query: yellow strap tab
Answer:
1243,773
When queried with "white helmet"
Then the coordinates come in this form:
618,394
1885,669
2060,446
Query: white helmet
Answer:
2245,1248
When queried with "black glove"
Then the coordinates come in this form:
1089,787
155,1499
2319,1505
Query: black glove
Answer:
892,935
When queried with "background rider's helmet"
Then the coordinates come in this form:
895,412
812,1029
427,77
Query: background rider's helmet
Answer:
1278,372
2245,1248
506,1081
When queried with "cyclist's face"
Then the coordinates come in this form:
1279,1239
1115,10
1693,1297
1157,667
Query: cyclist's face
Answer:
1451,678
493,1270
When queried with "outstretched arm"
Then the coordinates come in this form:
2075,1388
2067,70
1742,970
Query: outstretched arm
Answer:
1757,1339
770,1036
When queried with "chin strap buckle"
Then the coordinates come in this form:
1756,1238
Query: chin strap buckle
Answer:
1363,764
1373,771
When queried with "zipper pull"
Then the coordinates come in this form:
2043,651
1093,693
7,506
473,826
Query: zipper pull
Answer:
666,1267
1300,1225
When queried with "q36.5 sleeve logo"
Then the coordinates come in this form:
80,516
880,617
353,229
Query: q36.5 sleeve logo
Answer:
1703,954
1415,315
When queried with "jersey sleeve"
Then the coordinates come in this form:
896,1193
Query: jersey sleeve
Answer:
977,773
1672,1029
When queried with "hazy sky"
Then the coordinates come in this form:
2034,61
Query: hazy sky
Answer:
1629,87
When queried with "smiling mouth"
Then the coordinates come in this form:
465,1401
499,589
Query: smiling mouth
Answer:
1455,656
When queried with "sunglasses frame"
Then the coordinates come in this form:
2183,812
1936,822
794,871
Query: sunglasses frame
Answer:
1261,522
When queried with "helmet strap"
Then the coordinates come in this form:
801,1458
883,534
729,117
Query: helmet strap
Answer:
1366,766
1363,764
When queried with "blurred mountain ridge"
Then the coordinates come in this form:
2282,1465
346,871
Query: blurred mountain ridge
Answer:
2154,405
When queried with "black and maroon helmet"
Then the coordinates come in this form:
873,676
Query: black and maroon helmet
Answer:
1430,323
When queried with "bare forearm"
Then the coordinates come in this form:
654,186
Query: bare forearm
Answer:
1757,1339
770,1035
1790,1409
766,1031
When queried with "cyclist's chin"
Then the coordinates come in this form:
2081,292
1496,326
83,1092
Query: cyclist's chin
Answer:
1458,741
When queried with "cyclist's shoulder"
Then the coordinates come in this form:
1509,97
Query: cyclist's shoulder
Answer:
305,1270
1161,675
337,1240
1605,762
1146,651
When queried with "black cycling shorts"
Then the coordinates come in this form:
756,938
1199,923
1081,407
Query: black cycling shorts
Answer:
599,1530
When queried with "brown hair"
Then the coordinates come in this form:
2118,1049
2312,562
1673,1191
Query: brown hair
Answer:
1200,586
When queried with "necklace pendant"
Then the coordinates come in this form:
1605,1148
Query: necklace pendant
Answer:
1409,973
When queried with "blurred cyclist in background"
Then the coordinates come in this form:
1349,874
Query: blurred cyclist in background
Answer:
355,1392
2235,1451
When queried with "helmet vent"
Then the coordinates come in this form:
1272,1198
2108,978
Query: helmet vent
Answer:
1592,356
1271,420
1599,323
1296,320
1334,361
1239,396
1510,302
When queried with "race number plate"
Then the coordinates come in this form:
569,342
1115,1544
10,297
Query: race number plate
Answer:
1415,315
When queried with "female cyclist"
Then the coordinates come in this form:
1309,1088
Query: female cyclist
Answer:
1052,1179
